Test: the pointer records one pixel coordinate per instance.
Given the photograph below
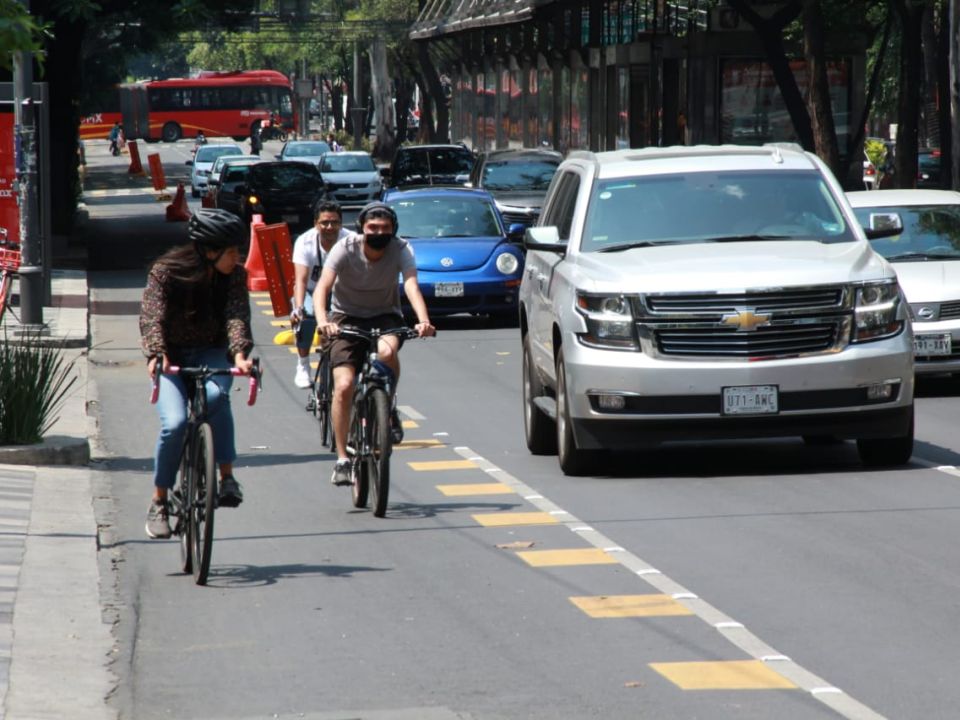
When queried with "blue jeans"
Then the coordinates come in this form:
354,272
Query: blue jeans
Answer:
172,408
308,324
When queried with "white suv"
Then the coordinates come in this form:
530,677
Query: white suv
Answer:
687,293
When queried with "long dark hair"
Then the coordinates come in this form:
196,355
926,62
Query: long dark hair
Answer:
186,265
198,289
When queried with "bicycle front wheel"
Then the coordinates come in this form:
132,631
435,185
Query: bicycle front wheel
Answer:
381,447
184,499
204,505
360,485
323,386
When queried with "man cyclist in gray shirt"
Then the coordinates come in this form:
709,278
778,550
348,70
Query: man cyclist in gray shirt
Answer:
361,271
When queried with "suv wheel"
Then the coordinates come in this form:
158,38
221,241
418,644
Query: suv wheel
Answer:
887,452
539,429
573,460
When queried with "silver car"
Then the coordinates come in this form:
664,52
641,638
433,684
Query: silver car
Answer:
926,256
700,292
202,162
350,178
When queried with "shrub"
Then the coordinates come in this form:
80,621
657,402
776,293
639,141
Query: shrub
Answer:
34,380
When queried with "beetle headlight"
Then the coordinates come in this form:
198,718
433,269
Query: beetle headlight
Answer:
507,263
609,321
877,312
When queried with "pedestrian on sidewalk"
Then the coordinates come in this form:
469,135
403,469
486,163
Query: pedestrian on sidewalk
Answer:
196,311
309,252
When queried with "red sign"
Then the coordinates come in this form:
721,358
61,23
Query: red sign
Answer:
9,210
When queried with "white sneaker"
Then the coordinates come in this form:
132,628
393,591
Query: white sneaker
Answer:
302,378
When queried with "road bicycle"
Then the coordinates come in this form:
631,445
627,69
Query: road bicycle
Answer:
369,442
193,502
9,265
321,392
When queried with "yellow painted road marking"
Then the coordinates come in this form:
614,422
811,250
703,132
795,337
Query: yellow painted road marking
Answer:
284,337
315,365
294,350
443,465
726,675
480,489
620,606
409,424
259,294
507,519
559,558
503,353
264,303
419,444
280,323
268,312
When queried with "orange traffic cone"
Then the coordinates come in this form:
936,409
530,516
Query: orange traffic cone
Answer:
177,211
256,275
135,167
207,200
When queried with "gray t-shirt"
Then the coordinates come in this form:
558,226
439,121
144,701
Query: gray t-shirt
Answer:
363,288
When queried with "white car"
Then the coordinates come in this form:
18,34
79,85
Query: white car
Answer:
926,256
202,162
686,293
350,178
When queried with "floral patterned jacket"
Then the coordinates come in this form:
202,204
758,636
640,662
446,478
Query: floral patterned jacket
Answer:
175,315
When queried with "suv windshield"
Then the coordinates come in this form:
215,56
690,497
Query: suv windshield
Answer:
929,232
285,176
705,207
531,175
428,166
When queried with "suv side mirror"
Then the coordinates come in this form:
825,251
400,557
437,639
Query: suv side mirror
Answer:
883,225
545,238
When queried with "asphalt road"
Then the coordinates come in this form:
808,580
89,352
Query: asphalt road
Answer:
845,579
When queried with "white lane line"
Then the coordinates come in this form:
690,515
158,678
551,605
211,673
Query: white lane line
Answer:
410,412
733,631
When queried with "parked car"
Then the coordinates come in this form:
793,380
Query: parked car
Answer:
279,191
202,162
350,178
926,256
928,168
517,179
725,292
418,165
308,151
466,261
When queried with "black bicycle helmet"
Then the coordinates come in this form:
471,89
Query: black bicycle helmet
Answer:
379,208
215,229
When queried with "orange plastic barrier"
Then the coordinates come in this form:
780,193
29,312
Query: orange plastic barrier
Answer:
206,201
177,211
276,251
256,276
156,174
135,167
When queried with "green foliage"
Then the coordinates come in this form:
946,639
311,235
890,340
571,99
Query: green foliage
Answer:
876,152
34,380
19,32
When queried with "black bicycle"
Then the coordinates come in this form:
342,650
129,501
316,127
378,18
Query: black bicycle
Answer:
369,442
321,392
194,498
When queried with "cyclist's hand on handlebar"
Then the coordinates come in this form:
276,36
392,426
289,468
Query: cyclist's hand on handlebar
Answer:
296,316
243,363
425,329
152,364
329,329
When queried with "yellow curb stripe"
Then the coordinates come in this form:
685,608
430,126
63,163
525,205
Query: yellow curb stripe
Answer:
724,675
443,465
479,489
315,365
409,424
280,323
294,349
506,519
560,558
622,606
268,312
264,303
260,294
419,444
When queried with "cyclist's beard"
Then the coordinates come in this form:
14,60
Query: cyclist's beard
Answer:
377,242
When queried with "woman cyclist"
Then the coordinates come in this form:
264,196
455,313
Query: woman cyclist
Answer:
196,311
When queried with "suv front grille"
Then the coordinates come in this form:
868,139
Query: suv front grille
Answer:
751,324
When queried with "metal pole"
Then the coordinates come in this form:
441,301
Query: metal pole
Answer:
25,144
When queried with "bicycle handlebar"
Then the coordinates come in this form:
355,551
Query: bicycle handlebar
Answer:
370,335
256,377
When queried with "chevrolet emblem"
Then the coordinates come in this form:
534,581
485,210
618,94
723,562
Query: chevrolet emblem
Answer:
746,320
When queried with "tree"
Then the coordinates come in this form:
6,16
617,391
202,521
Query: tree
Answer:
910,13
19,32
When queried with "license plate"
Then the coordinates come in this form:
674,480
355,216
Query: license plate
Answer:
927,345
750,400
290,219
448,289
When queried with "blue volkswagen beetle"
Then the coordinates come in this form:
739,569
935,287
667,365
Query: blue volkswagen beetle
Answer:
467,261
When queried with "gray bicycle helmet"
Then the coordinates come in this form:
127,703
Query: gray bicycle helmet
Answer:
378,209
215,229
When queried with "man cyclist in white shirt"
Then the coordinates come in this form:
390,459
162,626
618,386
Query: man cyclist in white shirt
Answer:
361,271
309,252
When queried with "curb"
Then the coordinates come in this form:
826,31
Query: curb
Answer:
54,450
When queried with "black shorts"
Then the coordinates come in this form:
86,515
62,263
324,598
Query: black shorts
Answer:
351,351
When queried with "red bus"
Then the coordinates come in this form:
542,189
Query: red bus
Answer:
216,103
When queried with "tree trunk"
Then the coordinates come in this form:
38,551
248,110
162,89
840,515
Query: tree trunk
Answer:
818,92
930,130
954,95
435,96
386,140
911,76
945,138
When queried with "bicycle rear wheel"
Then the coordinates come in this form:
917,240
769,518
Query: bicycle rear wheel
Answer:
202,510
381,447
358,468
184,499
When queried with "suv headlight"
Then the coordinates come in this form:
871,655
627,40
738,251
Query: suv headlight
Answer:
609,321
877,311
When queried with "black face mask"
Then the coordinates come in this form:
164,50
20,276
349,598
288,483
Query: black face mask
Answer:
377,242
